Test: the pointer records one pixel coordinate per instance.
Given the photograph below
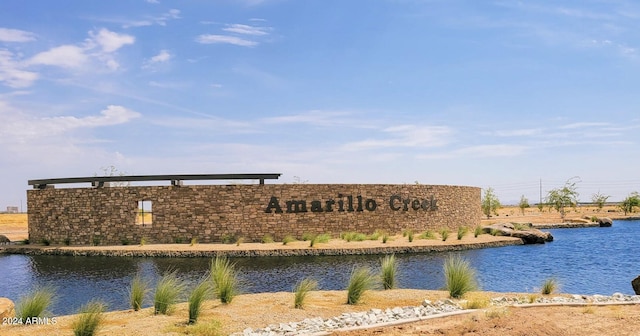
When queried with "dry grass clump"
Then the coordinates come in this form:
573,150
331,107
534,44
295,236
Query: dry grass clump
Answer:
35,304
360,281
460,277
89,319
389,271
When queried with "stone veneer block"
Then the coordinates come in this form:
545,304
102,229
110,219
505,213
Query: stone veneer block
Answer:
210,213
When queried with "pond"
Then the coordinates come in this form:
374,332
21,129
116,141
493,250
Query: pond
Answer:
584,261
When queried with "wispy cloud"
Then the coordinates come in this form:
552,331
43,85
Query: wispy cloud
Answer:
66,56
111,41
15,35
147,20
100,47
12,73
22,128
405,136
246,29
239,34
584,125
479,151
225,39
314,117
163,57
517,132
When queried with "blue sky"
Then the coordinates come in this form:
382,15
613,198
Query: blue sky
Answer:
500,94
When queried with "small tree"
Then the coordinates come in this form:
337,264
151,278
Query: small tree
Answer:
490,203
630,203
524,203
541,207
567,196
599,199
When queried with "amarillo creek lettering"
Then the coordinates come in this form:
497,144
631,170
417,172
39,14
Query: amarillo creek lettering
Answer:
350,203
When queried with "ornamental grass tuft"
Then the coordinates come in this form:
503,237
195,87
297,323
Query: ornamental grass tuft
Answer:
360,281
288,239
461,232
301,290
89,319
168,291
444,233
549,286
478,231
225,279
460,277
35,304
197,297
137,292
389,271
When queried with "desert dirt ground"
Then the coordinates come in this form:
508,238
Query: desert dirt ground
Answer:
260,310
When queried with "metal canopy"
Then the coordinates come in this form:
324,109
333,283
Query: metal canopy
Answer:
99,181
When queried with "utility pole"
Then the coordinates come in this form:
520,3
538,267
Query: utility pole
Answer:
540,191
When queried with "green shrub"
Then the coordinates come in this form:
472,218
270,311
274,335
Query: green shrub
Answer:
594,218
549,286
323,238
225,279
137,292
460,277
288,239
168,290
389,270
197,297
375,235
495,232
301,290
478,231
96,240
45,242
193,241
353,236
124,241
143,241
228,238
444,233
428,234
88,321
36,303
360,281
307,236
266,239
520,226
67,241
461,232
239,241
178,240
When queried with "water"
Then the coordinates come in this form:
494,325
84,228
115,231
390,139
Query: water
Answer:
585,261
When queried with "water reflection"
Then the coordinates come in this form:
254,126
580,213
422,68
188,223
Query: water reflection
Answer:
580,259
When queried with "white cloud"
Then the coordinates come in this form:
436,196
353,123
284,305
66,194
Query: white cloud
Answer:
315,117
163,56
12,73
21,128
219,39
66,56
584,125
15,35
480,151
246,29
406,136
111,41
518,132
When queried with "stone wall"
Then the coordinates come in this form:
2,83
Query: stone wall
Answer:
209,213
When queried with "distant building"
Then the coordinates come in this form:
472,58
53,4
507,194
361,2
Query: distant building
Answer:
13,209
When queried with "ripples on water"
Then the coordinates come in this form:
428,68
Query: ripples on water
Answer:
585,261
